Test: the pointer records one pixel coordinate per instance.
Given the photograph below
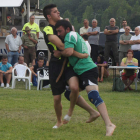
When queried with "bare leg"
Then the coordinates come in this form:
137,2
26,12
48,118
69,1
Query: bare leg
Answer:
102,72
74,87
110,127
8,77
129,83
1,77
58,110
93,113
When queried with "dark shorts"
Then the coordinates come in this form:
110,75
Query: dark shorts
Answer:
59,87
89,77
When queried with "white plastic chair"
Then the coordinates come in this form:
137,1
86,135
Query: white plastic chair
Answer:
40,78
20,71
135,80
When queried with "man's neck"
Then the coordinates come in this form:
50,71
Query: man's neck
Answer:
126,33
14,36
31,23
112,25
52,22
86,27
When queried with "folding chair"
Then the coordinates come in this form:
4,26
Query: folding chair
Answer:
19,72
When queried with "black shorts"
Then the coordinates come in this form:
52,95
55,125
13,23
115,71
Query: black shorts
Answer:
89,77
54,70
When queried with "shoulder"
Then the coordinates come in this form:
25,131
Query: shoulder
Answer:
72,35
124,59
9,65
26,24
135,60
48,30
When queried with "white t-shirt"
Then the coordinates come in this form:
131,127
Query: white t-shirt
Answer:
13,43
123,30
135,46
89,47
84,30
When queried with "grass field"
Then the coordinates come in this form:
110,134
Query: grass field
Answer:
29,115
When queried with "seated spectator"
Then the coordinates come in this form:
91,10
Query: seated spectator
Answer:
20,61
35,68
102,68
5,71
129,73
85,37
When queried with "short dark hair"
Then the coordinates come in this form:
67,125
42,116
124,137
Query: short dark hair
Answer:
85,37
4,57
63,23
20,56
124,20
47,10
40,58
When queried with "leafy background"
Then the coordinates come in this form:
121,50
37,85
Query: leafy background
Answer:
102,10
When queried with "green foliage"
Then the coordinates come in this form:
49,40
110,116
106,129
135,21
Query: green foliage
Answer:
103,10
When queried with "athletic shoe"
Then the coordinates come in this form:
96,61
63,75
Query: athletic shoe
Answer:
31,84
47,86
2,84
7,85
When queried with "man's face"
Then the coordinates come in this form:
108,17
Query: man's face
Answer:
61,32
124,23
28,32
112,22
40,63
94,24
127,29
136,31
14,32
4,61
86,23
21,60
32,19
55,14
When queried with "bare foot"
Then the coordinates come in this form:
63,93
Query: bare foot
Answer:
110,129
57,125
66,119
93,117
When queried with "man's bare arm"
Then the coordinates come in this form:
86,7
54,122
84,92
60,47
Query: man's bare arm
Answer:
56,41
37,34
93,33
7,47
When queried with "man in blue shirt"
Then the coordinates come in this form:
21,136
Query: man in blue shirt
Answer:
5,71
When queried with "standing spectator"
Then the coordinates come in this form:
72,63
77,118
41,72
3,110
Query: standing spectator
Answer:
29,42
93,39
124,43
32,25
20,61
135,46
5,71
111,32
13,45
83,30
85,37
124,24
71,25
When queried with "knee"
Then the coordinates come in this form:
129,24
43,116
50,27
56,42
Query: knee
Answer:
74,88
57,100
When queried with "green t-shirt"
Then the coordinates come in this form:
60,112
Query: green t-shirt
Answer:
74,40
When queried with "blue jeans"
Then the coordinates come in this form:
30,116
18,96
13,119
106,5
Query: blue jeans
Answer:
13,57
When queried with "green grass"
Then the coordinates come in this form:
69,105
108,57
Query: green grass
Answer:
29,115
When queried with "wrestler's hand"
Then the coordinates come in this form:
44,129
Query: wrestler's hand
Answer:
56,53
25,47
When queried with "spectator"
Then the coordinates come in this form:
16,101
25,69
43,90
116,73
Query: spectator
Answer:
135,46
102,68
71,25
20,61
124,24
85,37
124,43
93,39
32,25
129,73
13,45
29,42
83,30
35,68
5,71
111,32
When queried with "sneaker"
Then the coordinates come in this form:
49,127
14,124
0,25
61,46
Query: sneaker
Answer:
2,84
138,80
47,86
31,84
7,85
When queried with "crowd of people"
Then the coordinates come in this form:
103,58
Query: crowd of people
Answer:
74,59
